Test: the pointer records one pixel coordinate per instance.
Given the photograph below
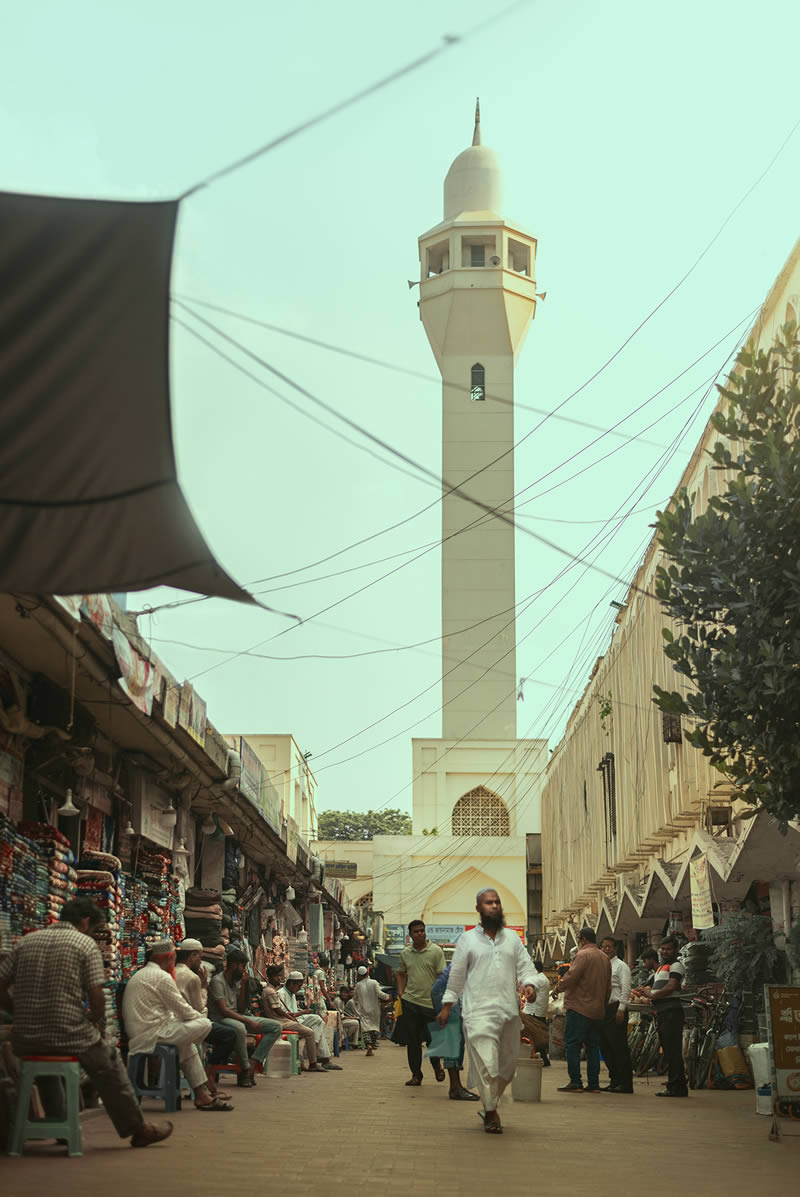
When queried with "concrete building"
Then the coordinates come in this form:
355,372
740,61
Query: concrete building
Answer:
476,789
628,805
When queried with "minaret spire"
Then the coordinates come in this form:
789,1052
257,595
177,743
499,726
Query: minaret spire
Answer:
476,136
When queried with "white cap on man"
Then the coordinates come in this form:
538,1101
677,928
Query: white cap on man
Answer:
362,972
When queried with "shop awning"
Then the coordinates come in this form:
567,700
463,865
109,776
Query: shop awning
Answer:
89,496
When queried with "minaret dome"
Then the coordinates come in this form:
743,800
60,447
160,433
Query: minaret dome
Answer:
473,182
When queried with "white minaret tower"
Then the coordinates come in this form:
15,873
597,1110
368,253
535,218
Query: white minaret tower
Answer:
477,300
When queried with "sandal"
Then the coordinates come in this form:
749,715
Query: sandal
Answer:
491,1128
439,1073
218,1107
415,1082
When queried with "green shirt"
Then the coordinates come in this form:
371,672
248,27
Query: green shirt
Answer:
422,969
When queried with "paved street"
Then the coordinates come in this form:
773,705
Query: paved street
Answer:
362,1130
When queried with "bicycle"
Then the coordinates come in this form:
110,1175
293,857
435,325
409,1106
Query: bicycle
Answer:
710,1005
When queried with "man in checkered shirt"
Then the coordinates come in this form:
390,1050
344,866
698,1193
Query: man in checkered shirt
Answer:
54,973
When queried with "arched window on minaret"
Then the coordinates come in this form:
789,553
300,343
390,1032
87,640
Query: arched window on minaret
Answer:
477,390
481,812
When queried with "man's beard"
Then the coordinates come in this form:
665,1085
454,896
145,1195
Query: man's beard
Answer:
493,922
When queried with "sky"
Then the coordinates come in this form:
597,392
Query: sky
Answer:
627,136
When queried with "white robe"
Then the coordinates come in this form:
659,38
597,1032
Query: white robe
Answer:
312,1021
485,974
366,996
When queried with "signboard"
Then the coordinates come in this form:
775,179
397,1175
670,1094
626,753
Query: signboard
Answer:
444,932
292,836
783,1014
700,882
192,713
342,868
136,673
395,936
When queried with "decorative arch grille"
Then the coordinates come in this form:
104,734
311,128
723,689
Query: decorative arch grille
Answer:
480,812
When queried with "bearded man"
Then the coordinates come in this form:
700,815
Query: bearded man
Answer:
487,968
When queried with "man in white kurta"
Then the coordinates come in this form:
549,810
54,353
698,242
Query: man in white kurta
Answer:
368,998
488,966
288,996
155,1011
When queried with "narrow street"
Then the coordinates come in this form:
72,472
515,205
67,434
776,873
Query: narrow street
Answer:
362,1130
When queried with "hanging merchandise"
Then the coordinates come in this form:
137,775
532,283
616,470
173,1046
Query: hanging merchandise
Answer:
100,878
55,875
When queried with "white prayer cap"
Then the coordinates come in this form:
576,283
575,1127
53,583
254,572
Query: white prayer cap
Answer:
489,889
190,945
362,972
295,976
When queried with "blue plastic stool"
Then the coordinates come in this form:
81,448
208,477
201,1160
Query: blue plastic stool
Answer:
168,1087
25,1127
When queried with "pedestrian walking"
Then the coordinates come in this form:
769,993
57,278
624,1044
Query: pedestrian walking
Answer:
587,988
419,967
534,1018
665,993
368,998
488,966
448,1042
59,1007
614,1027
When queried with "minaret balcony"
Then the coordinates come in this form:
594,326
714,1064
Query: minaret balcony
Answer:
479,278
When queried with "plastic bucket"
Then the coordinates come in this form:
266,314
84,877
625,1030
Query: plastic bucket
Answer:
279,1061
527,1082
759,1062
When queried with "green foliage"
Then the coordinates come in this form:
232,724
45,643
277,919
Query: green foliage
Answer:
605,707
362,825
431,831
793,947
744,955
733,586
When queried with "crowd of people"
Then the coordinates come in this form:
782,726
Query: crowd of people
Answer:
52,984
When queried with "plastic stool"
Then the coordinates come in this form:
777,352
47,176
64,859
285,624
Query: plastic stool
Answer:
293,1039
25,1127
168,1087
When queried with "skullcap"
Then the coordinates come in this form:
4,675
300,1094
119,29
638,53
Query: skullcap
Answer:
162,948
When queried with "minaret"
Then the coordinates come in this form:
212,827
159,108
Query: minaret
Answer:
477,300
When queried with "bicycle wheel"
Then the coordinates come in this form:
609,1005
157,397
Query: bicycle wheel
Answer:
704,1058
691,1057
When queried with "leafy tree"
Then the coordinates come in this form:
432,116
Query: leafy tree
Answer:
744,955
362,825
733,584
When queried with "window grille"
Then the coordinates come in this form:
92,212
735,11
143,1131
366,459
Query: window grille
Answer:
477,255
671,729
477,383
480,812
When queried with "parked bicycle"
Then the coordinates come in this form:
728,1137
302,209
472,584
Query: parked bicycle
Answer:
708,1007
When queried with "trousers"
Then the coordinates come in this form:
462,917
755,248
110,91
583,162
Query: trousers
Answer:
352,1029
306,1037
669,1024
104,1068
539,1033
613,1037
579,1029
493,1061
183,1036
222,1041
317,1025
415,1026
269,1028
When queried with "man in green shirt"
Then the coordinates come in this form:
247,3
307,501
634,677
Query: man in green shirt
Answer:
419,967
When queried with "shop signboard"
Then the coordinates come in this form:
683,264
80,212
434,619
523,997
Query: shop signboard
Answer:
700,882
396,934
348,869
252,779
292,836
136,673
444,933
172,696
783,1018
192,714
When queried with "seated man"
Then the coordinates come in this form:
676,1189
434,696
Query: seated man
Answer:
307,1018
350,1021
59,1007
274,1006
227,998
192,981
155,1011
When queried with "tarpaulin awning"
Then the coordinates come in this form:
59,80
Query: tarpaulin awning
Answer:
89,495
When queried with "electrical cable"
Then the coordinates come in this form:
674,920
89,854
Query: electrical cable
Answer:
448,41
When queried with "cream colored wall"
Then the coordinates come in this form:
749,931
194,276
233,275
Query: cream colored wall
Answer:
292,778
360,851
662,789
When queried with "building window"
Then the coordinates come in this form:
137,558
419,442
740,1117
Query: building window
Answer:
477,391
477,255
671,728
608,770
480,812
438,258
519,257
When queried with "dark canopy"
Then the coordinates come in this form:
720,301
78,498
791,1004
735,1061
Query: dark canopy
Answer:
89,497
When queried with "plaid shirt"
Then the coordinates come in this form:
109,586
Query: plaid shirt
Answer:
51,971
